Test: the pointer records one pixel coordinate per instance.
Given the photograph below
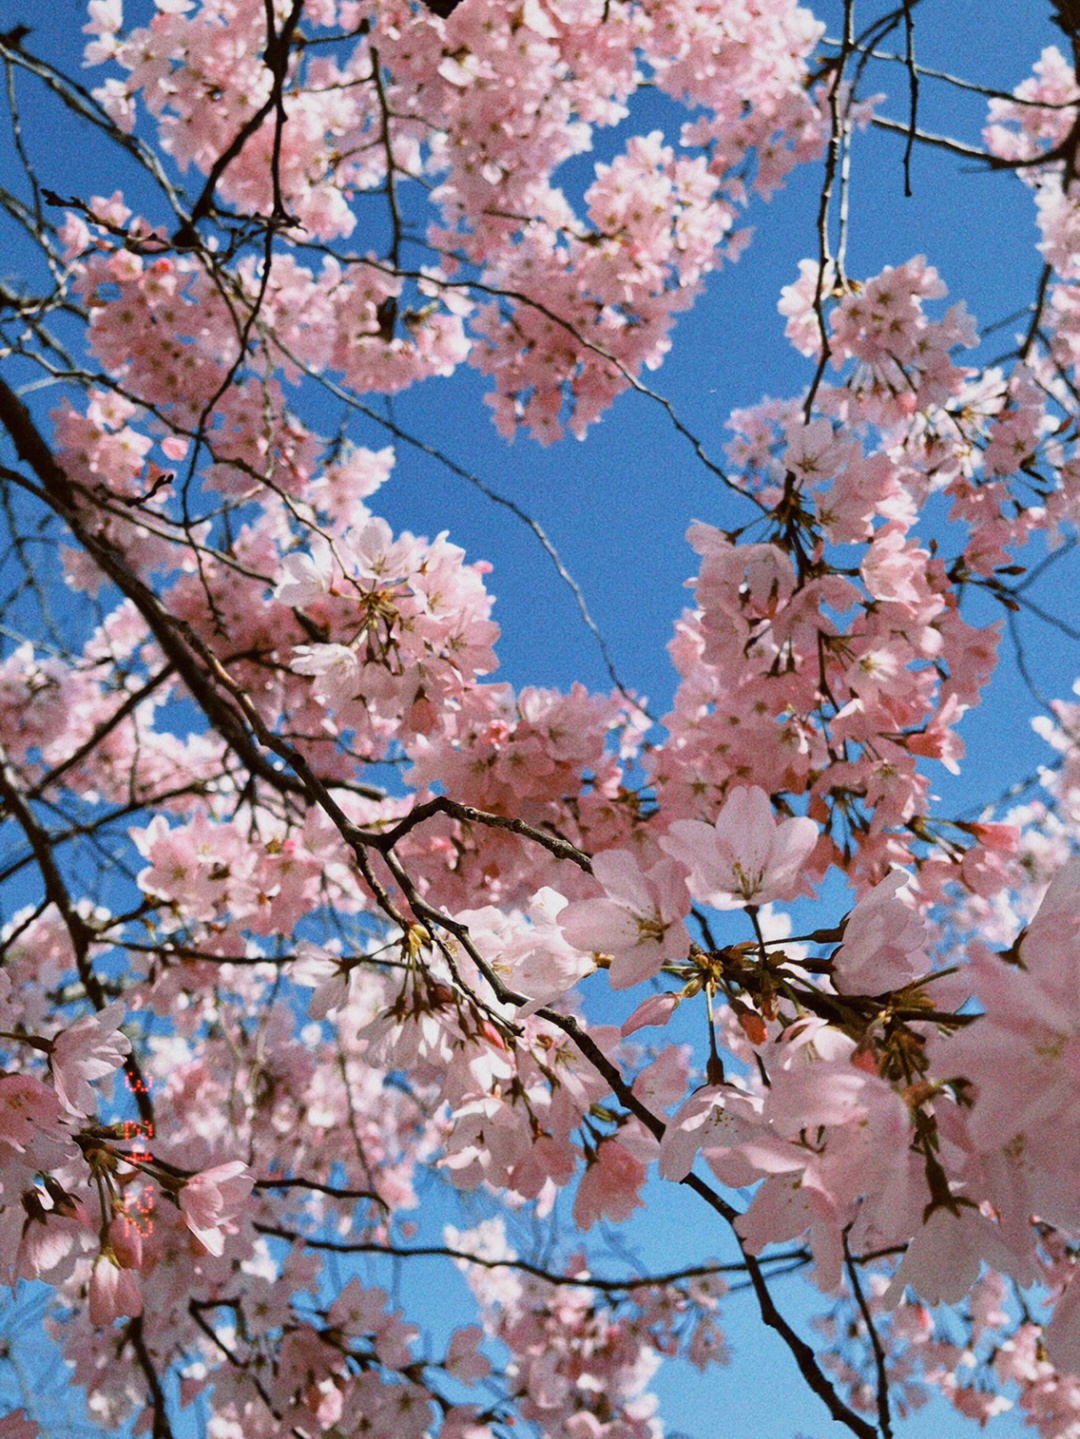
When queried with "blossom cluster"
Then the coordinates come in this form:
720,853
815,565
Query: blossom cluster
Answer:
326,913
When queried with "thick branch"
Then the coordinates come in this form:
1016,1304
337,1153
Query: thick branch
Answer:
79,932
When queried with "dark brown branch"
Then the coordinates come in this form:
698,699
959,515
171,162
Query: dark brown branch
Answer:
318,1188
162,1428
560,848
277,58
549,1276
118,715
913,94
189,656
79,932
884,1417
232,718
939,142
771,1316
1037,314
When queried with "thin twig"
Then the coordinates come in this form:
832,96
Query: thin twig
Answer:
884,1416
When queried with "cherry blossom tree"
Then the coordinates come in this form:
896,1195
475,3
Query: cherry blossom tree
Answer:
313,929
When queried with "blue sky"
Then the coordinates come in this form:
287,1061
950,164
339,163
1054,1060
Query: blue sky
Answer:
617,505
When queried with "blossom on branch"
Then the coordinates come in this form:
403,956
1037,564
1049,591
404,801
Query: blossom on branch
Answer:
639,920
214,1200
746,856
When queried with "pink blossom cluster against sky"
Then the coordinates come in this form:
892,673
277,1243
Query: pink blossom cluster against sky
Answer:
461,665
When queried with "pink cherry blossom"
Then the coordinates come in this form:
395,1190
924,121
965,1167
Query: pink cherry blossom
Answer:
745,857
113,1292
212,1202
298,889
944,1258
91,1049
610,1186
639,922
885,941
657,1009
